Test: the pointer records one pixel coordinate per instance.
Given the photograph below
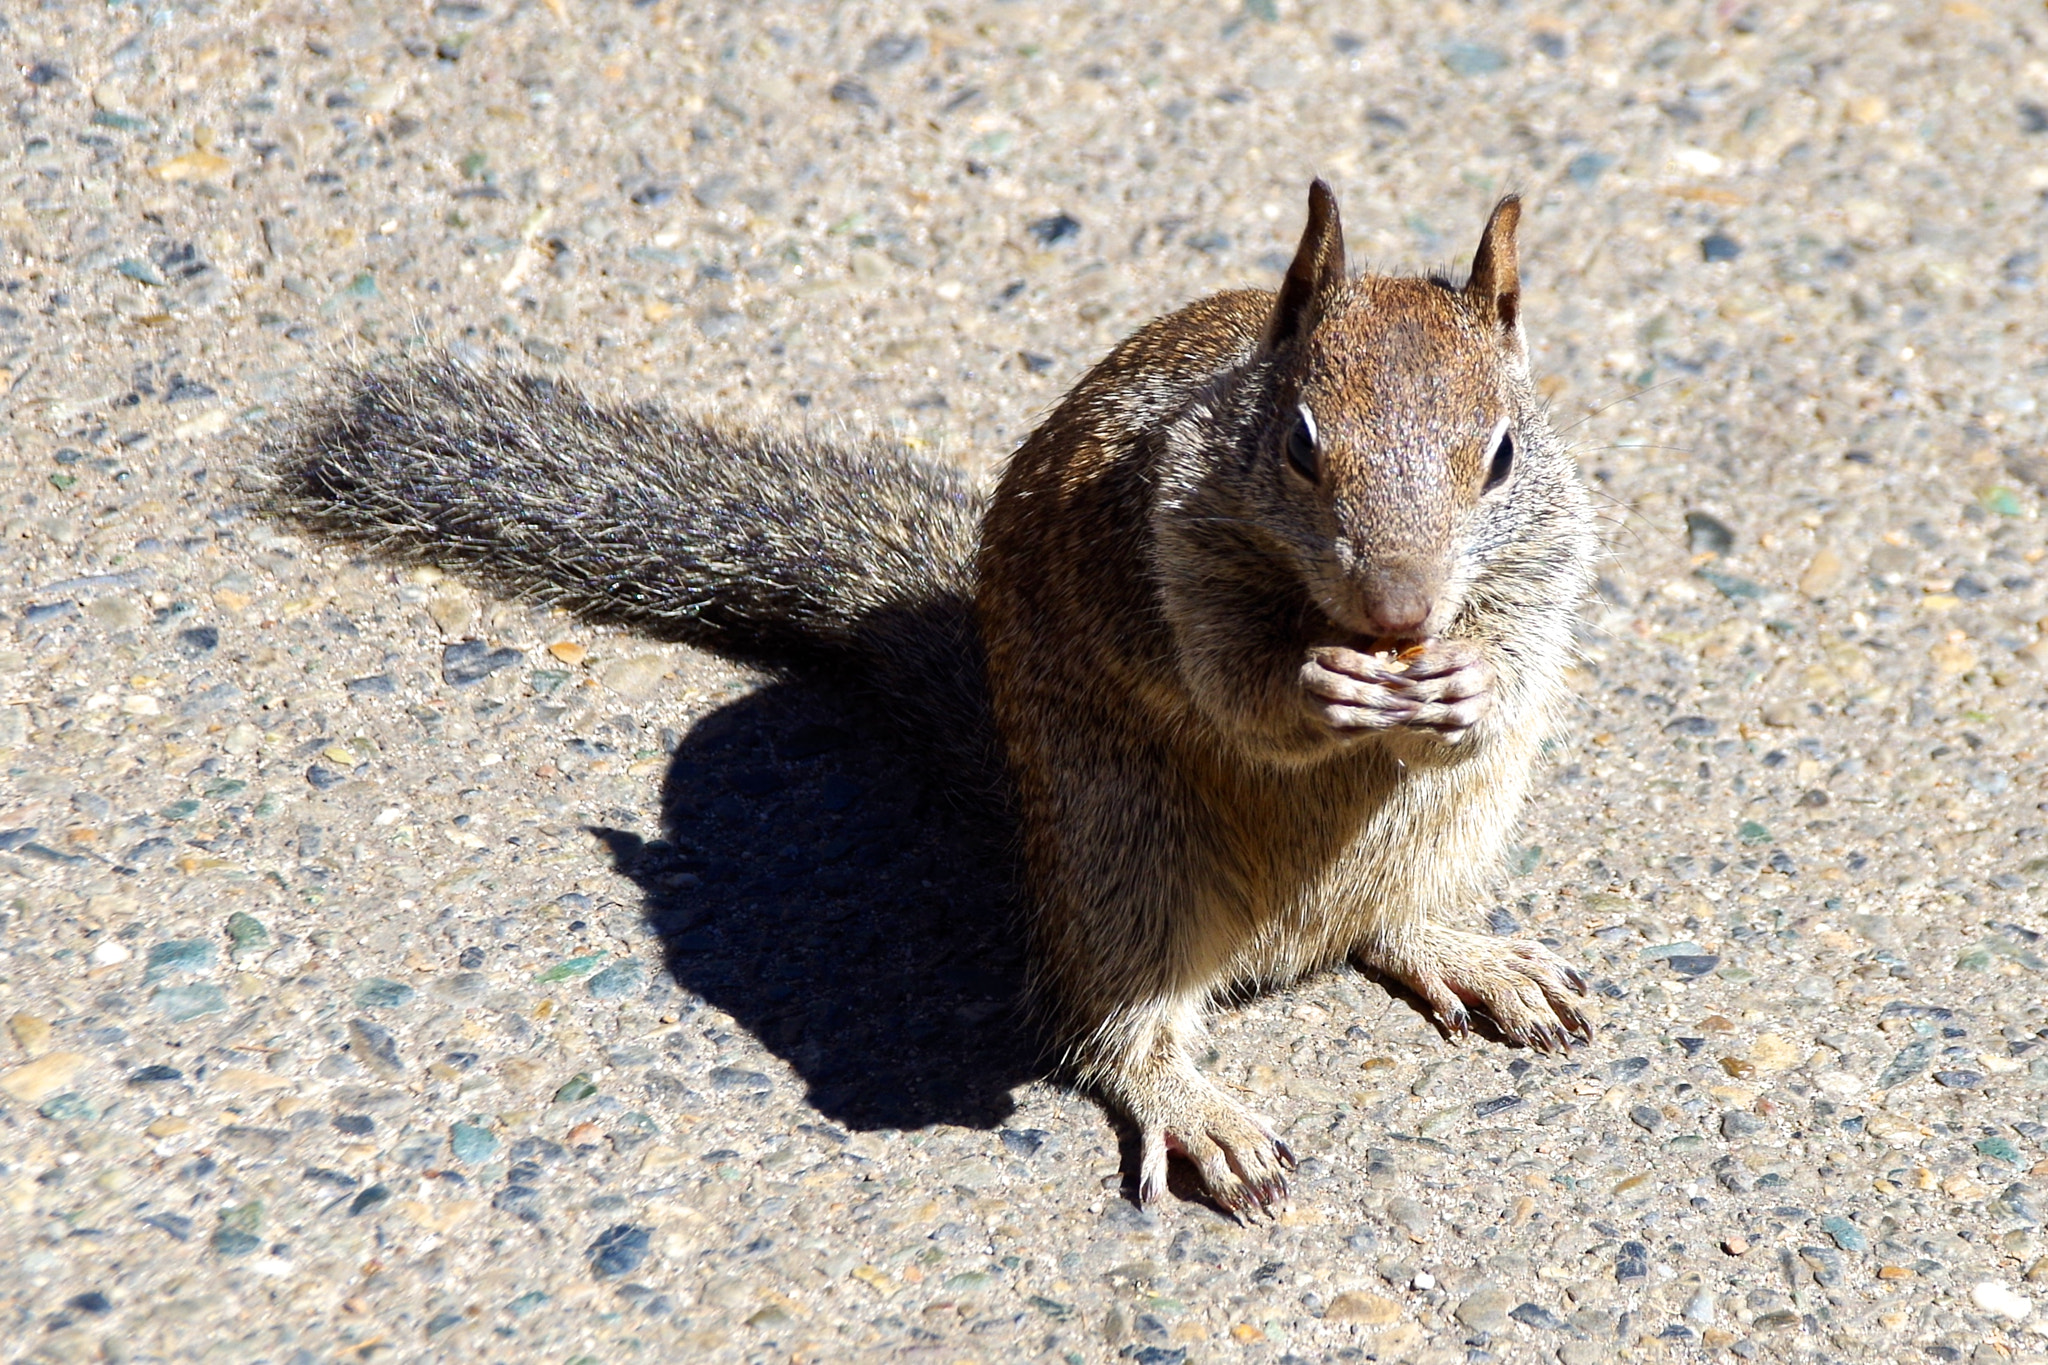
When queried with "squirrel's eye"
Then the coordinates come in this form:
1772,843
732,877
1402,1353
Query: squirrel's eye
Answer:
1301,446
1503,462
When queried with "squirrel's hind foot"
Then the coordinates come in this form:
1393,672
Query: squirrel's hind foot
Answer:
1241,1163
1524,988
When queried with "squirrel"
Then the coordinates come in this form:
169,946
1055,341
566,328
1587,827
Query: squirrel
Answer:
1260,632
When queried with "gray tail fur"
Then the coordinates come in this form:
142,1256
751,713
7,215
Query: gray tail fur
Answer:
773,549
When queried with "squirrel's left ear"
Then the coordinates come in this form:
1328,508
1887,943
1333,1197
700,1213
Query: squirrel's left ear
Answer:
1496,282
1318,266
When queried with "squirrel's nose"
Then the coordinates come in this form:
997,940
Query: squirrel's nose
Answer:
1397,599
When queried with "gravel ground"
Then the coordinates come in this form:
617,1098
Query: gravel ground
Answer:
394,973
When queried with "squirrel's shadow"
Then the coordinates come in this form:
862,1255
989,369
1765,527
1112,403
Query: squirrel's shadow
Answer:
855,915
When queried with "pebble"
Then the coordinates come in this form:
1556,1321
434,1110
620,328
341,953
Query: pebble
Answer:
636,677
1485,1310
1719,246
1707,534
31,1031
471,1144
47,1075
179,955
469,662
181,1004
1364,1307
620,1250
382,993
617,981
1473,59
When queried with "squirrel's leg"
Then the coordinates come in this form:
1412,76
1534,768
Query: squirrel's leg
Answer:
1141,1059
1524,988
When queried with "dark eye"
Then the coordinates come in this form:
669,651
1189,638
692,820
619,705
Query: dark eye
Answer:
1302,451
1503,462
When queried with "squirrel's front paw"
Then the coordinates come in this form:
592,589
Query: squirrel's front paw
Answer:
1242,1164
1444,686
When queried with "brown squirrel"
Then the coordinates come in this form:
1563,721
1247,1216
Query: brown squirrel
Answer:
1272,615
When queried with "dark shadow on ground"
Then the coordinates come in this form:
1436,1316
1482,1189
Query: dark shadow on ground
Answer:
821,882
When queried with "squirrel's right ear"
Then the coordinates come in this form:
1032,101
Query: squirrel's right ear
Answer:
1318,266
1495,285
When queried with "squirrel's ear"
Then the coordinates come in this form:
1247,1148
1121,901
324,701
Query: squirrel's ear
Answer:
1496,282
1318,266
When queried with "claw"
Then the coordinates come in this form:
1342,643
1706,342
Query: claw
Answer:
1458,1023
1286,1155
1578,980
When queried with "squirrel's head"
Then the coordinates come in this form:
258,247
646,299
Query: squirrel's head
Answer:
1390,438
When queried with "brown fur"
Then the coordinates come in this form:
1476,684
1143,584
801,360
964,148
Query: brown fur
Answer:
1153,582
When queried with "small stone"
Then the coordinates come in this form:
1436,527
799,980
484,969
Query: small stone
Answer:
197,641
1060,227
1408,1214
382,993
323,778
1360,1306
1740,1123
470,1143
1959,1080
376,685
46,1076
1646,1117
621,979
156,1073
636,677
1719,246
2006,1302
1632,1262
373,1043
620,1250
179,955
569,652
1486,1309
32,1032
1473,59
1823,573
471,661
1536,1315
368,1200
577,1087
1846,1234
182,1004
452,610
1779,714
1736,1245
571,967
247,933
109,951
1705,534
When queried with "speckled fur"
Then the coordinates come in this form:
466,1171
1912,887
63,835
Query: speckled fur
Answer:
1153,578
1220,786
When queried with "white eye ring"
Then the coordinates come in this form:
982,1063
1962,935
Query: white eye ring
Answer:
1308,419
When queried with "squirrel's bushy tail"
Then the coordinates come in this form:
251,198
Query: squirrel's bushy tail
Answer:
774,549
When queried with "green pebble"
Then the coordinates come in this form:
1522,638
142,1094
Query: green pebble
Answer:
1729,586
548,680
1998,1149
526,1303
968,1279
471,1144
223,786
575,966
179,955
2001,501
181,1004
577,1087
181,810
122,123
246,932
1847,1235
382,993
618,980
228,1242
140,271
363,286
69,1105
1523,861
1751,832
243,1217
